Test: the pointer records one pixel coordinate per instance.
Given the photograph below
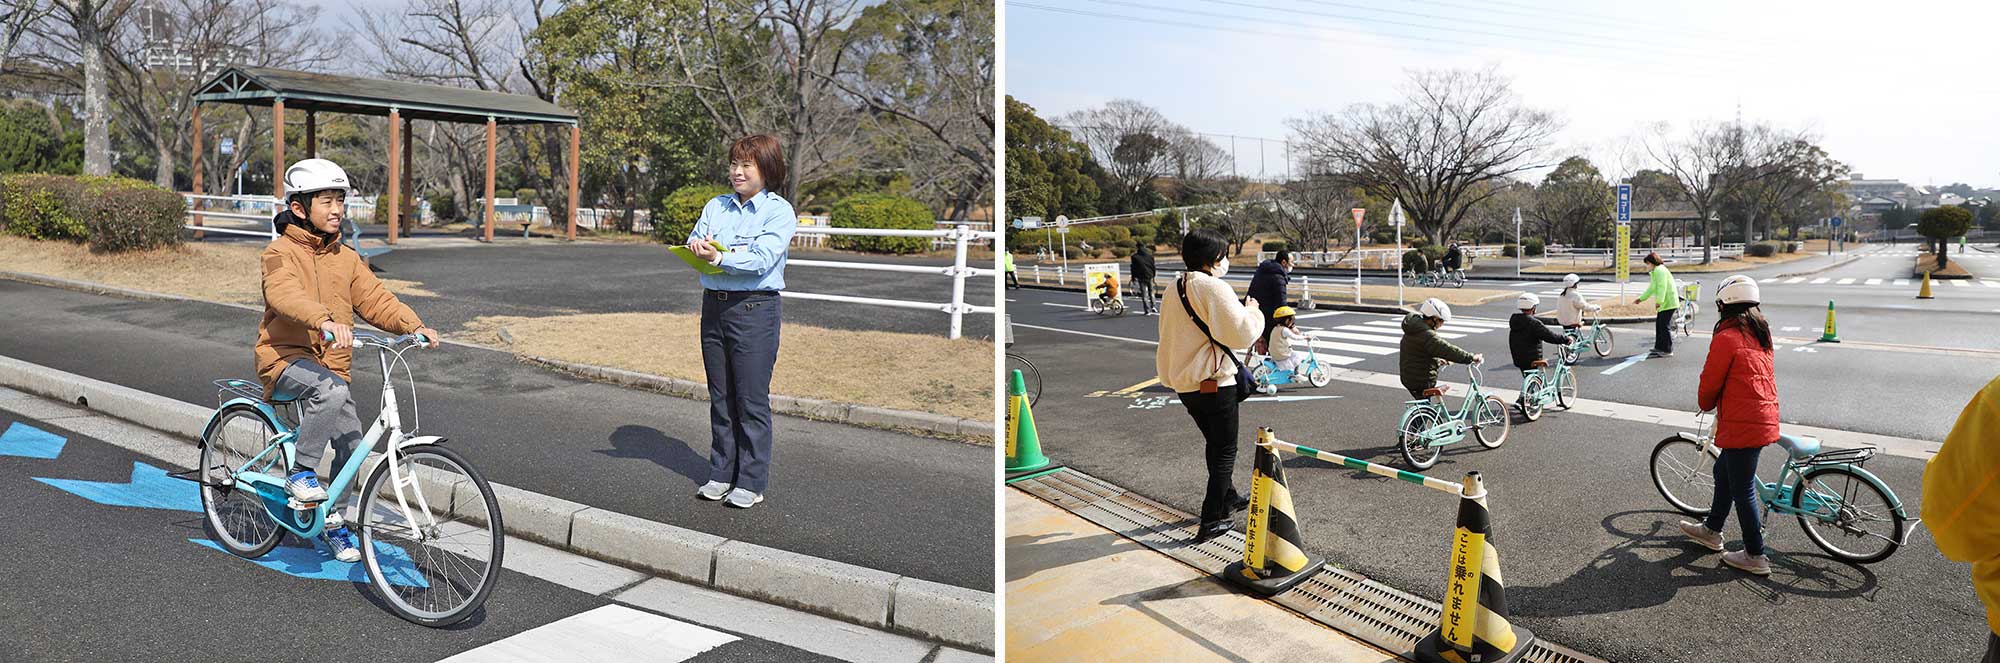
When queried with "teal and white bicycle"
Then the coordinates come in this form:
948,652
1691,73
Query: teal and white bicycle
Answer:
1428,426
430,531
1597,338
1845,509
1547,385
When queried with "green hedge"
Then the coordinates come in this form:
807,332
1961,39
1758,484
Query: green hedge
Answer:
1509,250
1762,249
113,214
883,211
1534,246
674,215
1100,237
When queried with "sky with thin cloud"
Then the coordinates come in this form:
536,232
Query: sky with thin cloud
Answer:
1894,89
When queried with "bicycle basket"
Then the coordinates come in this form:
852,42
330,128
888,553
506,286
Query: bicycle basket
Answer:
1855,456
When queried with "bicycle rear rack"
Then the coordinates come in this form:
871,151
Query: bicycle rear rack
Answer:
232,387
1855,456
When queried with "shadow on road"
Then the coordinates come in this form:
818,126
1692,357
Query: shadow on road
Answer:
648,443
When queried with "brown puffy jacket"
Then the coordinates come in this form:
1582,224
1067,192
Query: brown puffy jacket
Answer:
310,279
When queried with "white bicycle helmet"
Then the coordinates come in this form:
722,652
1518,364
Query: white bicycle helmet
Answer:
1527,300
1739,290
1733,278
1570,280
313,175
1435,308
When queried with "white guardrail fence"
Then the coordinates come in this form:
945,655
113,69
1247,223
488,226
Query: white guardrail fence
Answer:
961,237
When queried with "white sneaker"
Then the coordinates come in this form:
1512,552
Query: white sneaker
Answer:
1758,565
1709,539
742,498
712,491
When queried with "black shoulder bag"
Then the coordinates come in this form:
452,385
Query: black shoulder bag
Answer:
1245,386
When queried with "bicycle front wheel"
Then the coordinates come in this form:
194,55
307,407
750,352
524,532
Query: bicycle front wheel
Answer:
434,566
1491,422
1031,377
1602,344
1847,515
234,514
1684,474
1566,389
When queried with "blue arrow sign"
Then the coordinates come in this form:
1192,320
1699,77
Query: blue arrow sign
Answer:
149,488
30,442
311,563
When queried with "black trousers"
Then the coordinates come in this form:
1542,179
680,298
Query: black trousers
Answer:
1215,415
1663,333
1992,649
1013,281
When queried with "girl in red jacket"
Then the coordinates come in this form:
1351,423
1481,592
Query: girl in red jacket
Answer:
1737,382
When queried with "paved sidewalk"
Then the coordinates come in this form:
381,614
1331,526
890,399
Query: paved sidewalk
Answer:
1079,592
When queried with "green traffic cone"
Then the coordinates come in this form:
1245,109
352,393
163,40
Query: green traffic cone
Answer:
1829,336
1024,447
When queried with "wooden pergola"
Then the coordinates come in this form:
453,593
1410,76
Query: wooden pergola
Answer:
401,102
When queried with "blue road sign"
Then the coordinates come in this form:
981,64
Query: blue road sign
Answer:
1624,204
1836,222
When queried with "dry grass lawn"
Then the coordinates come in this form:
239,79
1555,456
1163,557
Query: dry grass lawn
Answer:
213,272
1927,264
902,371
1639,267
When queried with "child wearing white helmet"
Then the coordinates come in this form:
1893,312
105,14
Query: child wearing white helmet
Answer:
315,287
1570,306
1422,348
1525,334
1739,382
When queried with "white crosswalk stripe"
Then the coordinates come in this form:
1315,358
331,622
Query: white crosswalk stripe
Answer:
1352,343
609,633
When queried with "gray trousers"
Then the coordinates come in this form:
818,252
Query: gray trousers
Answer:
327,414
739,349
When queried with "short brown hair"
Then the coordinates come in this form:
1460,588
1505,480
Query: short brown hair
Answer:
1652,257
764,151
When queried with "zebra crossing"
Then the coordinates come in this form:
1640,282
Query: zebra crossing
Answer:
1595,291
1354,337
1885,282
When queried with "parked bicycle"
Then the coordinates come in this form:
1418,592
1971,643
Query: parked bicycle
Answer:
430,527
1845,509
1539,390
1428,425
1690,307
1031,377
1598,339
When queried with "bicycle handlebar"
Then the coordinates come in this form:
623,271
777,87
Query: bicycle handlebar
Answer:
370,338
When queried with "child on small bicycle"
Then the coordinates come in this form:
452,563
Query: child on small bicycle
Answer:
1107,290
1571,306
1423,350
1284,333
313,286
1525,336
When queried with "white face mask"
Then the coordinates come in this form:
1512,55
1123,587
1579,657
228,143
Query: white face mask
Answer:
1221,268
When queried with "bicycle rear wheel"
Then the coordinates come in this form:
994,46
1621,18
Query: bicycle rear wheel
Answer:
1031,377
234,515
434,566
1846,515
1531,406
1684,474
1410,439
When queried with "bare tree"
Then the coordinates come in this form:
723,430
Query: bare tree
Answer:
1311,213
1455,132
1713,162
16,18
81,31
1141,147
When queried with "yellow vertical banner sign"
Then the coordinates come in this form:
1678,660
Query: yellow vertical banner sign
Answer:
1461,598
1013,422
1253,530
1624,253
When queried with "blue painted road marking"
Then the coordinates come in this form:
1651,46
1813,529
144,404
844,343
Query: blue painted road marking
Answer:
150,488
30,442
312,563
1634,359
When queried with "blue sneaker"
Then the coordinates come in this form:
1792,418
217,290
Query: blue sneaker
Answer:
342,543
304,490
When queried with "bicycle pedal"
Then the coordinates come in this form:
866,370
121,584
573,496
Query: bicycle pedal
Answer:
296,505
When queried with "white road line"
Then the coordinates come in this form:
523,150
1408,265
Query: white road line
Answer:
1322,333
1902,282
1320,314
1085,333
1990,284
1386,324
1350,347
1873,282
1074,306
1820,280
1790,329
1634,359
1337,360
1795,279
1477,322
1454,326
1841,282
1956,283
610,633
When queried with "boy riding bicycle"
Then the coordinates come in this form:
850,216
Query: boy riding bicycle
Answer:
1423,351
1525,336
1107,290
314,286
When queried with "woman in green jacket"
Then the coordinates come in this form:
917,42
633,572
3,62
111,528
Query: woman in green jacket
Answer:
1661,289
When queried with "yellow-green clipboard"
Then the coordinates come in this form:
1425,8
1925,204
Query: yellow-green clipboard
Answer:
695,261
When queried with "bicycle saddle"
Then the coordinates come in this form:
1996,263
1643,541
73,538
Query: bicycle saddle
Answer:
280,395
1433,391
1540,363
1801,447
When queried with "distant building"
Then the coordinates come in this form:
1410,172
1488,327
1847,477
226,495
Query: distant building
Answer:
1862,188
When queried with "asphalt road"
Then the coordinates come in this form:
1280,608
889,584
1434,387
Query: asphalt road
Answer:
87,581
882,500
1592,558
543,279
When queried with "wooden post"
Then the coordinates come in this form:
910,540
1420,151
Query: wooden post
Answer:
389,207
278,150
407,204
492,135
312,134
195,140
575,164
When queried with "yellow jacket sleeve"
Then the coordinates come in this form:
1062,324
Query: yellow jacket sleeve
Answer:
1961,504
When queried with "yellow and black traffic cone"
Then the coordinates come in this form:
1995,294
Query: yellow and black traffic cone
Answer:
1274,553
1828,336
1926,292
1474,626
1024,446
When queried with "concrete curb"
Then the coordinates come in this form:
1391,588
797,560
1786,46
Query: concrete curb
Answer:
958,616
1817,270
919,423
933,425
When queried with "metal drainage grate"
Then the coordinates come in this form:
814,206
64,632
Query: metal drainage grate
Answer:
1350,602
